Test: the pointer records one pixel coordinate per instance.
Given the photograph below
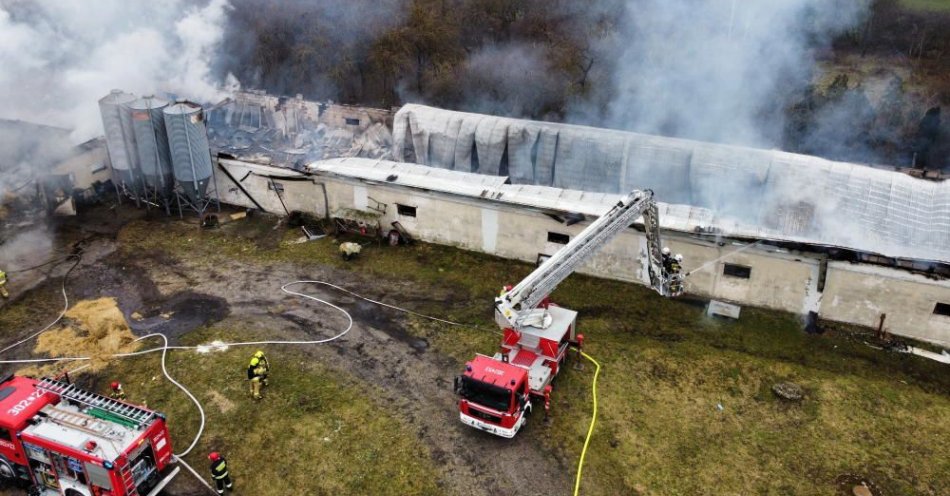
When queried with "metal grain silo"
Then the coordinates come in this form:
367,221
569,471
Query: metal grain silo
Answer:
151,142
120,139
190,152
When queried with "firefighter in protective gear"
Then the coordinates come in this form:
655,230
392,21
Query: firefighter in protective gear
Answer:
676,265
676,276
3,284
263,360
219,472
117,392
667,260
257,374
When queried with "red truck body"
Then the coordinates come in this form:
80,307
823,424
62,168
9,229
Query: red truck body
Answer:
497,393
58,439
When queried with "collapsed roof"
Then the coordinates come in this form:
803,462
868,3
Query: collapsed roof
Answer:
740,192
255,126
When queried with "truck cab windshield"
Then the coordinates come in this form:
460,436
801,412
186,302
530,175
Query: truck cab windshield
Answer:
488,395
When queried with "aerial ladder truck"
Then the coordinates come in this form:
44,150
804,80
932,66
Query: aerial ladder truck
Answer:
497,392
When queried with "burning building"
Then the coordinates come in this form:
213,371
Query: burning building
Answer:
797,233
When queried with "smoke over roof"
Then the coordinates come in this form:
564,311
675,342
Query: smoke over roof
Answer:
749,192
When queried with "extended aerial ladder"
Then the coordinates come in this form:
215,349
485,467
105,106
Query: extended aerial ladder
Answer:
497,392
518,307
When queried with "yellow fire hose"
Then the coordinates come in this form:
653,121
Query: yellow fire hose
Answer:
590,430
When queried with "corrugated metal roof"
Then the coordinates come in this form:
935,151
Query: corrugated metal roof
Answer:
412,175
744,192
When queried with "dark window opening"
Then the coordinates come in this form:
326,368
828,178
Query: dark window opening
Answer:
542,258
942,309
406,210
275,187
352,122
740,271
561,239
5,435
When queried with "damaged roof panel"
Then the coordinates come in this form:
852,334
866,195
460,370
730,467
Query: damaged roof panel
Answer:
765,194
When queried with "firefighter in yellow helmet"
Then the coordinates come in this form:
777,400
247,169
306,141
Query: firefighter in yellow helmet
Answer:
263,360
257,371
3,285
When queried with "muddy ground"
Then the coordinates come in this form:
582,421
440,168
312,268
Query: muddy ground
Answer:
415,380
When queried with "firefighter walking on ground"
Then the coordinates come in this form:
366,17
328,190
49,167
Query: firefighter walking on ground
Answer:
3,285
257,373
219,472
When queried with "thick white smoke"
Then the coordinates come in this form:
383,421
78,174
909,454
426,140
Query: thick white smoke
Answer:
58,58
719,70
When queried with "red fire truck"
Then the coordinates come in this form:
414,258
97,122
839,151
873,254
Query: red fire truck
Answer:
56,439
496,392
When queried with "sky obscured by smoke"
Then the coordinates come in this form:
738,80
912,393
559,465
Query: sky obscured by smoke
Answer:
59,58
719,71
319,48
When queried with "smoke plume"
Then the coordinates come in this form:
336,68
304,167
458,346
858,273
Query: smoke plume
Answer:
718,71
59,58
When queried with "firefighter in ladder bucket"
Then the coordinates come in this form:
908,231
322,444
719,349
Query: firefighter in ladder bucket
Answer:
676,275
3,284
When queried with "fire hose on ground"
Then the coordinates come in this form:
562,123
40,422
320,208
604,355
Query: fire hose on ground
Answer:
590,430
165,347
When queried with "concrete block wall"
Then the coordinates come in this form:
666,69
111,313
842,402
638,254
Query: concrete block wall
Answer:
777,280
859,294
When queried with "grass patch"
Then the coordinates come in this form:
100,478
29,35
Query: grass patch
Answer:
316,432
666,368
926,5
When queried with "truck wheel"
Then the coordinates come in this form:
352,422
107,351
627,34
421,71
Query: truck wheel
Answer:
7,474
73,492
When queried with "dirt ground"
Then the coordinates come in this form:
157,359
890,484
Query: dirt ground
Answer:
175,296
684,399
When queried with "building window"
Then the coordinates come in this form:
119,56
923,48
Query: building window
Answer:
942,309
561,239
542,258
352,122
740,271
275,187
405,210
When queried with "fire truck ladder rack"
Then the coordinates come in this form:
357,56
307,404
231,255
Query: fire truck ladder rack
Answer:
81,421
103,407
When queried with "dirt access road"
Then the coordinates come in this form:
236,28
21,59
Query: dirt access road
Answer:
416,382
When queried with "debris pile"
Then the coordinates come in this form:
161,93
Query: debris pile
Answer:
93,328
290,132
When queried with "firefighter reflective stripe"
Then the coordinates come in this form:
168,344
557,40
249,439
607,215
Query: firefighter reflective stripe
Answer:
219,469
